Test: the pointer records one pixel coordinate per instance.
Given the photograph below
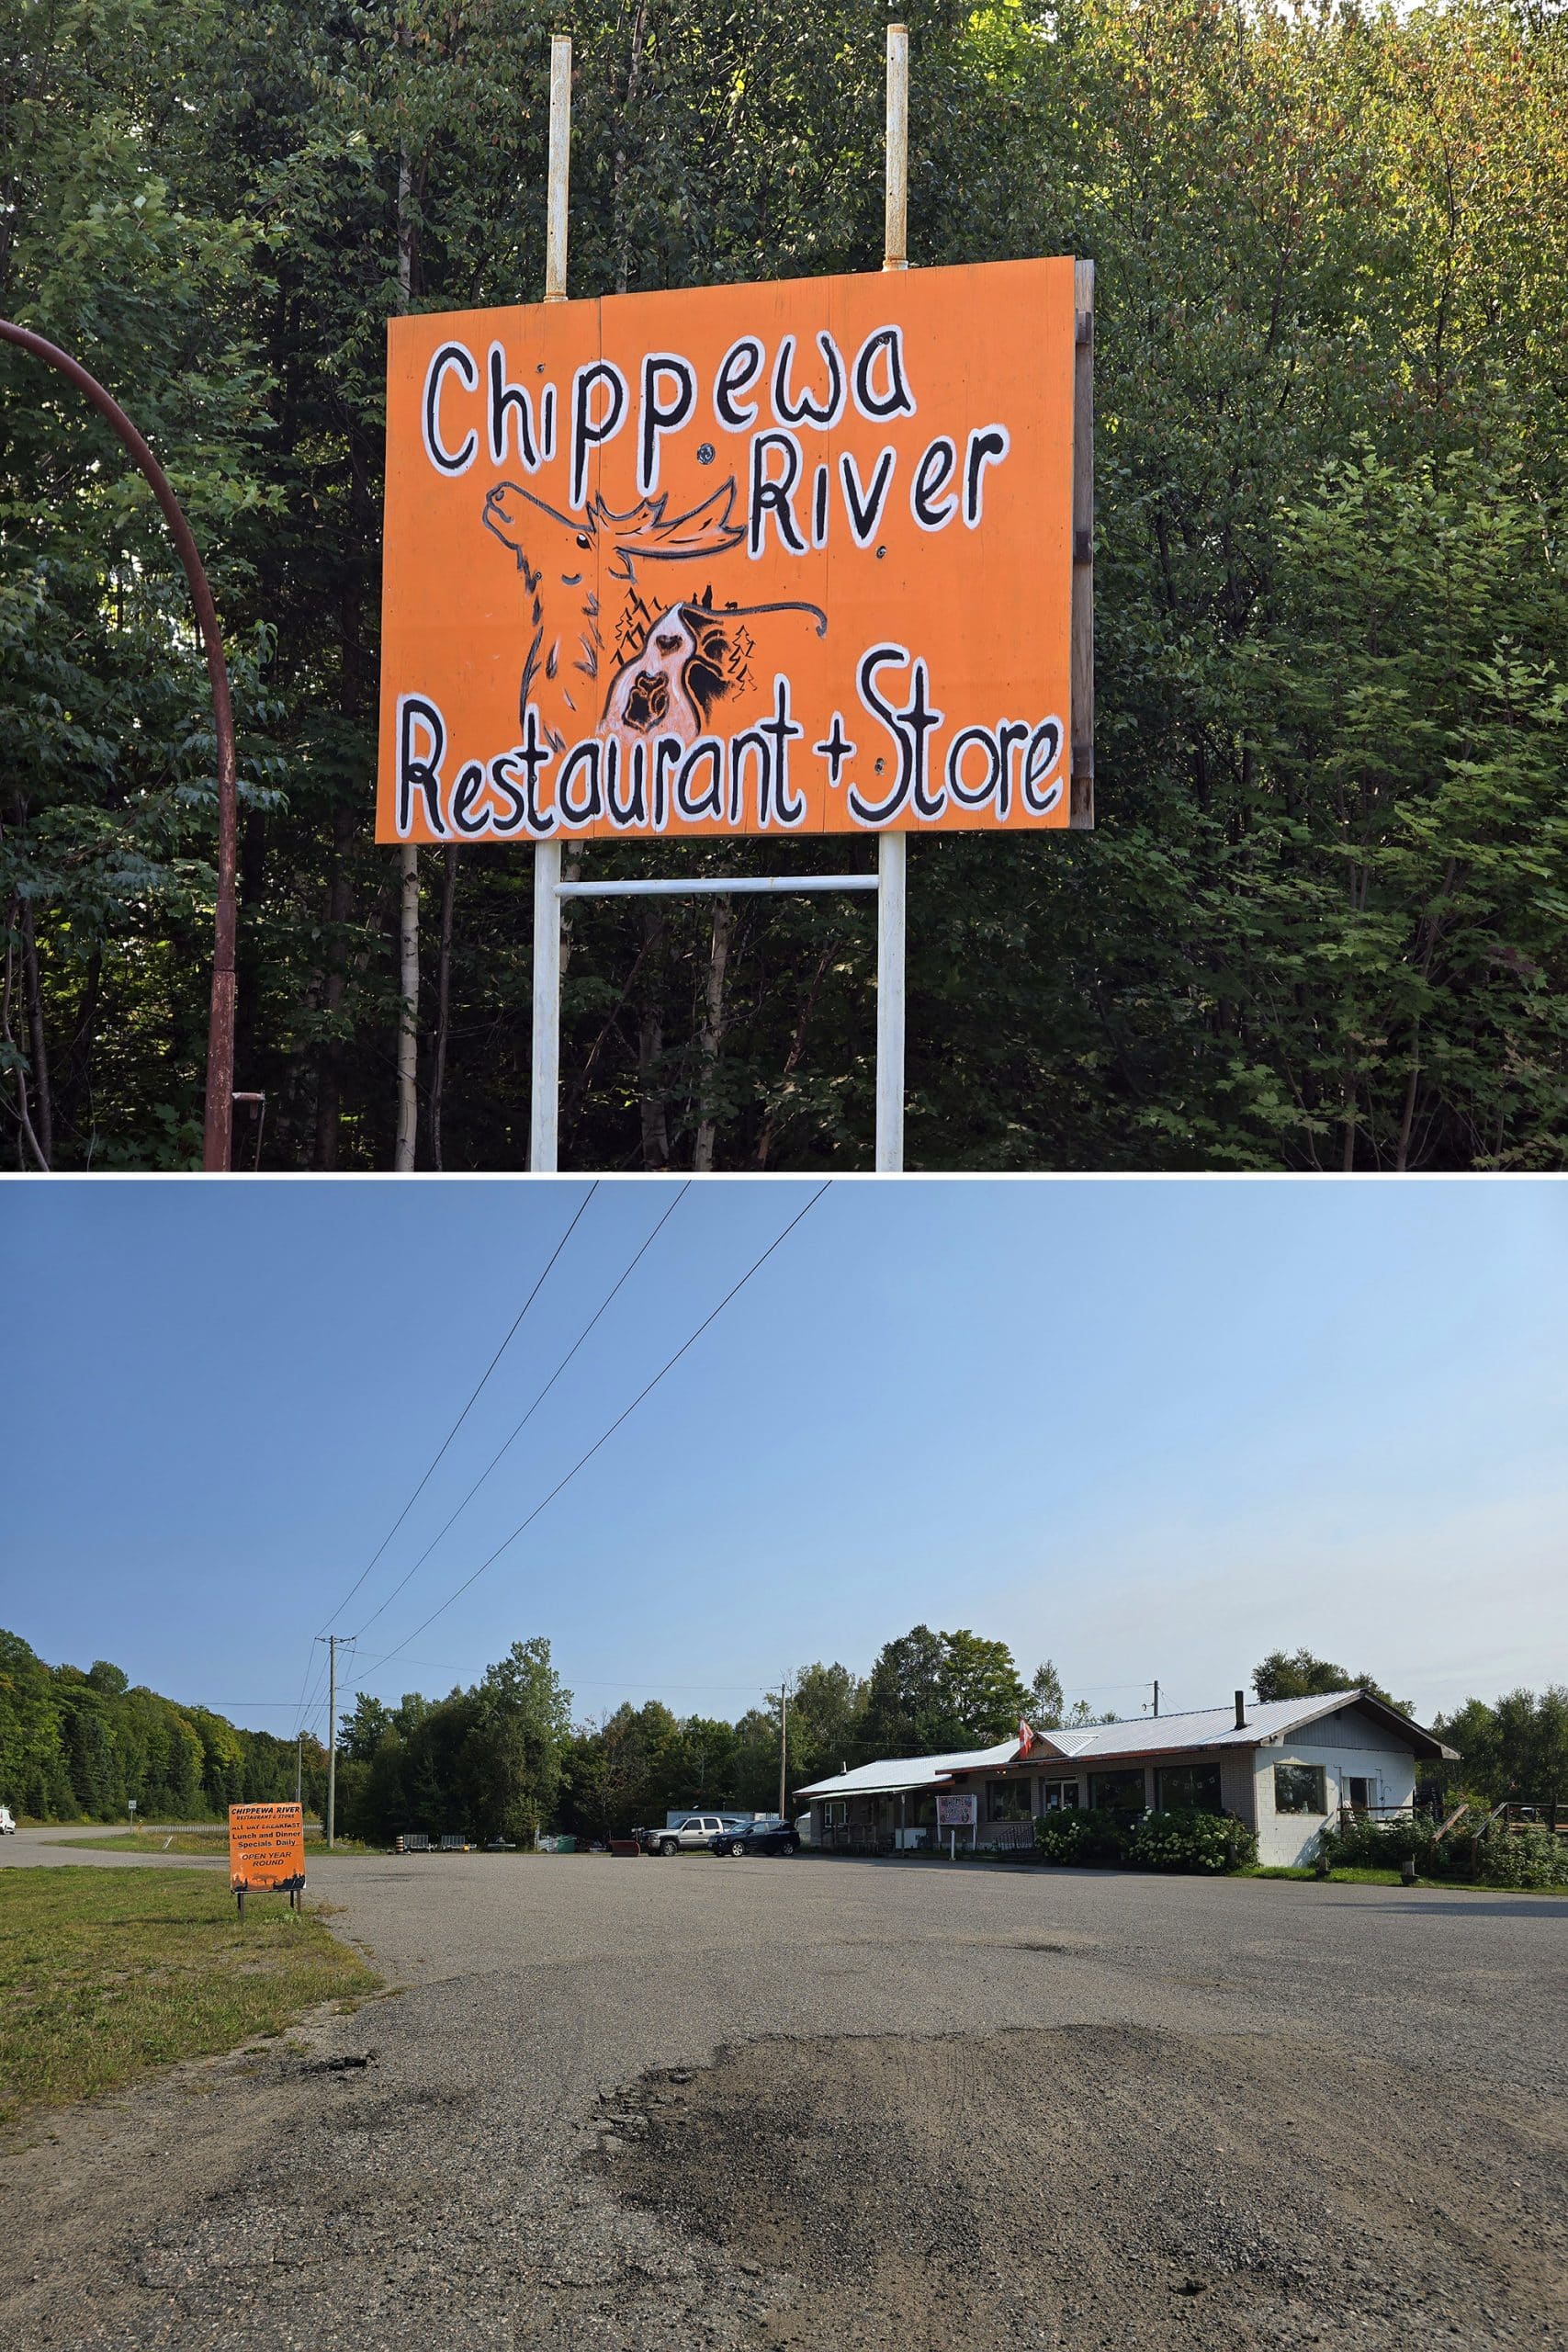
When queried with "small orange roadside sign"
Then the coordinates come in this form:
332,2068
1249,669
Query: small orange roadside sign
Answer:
783,558
267,1847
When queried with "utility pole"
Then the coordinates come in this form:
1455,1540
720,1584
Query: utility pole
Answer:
1156,1694
332,1641
299,1774
332,1741
784,1742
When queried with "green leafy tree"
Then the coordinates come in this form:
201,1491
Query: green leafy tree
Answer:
1303,1675
521,1718
1044,1698
619,1773
73,1743
1515,1747
929,1693
826,1721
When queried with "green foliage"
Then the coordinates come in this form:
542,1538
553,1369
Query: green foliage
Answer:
1500,1857
1188,1840
74,1745
1158,1841
1085,1835
486,1762
1044,1698
1323,923
1516,1747
1303,1675
1524,1858
933,1693
826,1709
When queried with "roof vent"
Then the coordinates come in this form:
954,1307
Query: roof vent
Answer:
1241,1711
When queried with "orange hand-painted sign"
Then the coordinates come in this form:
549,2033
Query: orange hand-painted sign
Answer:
784,558
266,1846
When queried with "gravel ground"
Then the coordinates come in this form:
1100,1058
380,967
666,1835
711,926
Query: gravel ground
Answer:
656,2106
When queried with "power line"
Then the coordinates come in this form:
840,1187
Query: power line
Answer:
603,1304
467,1408
584,1459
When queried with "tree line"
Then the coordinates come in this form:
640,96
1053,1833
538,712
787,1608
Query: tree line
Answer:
1324,921
85,1745
507,1757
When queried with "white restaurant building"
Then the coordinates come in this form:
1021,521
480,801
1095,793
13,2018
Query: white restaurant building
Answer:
1286,1767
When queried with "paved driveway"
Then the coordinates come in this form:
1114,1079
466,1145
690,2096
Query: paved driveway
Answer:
53,1845
663,2104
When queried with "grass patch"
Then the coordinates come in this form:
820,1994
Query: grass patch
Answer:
214,1842
105,1974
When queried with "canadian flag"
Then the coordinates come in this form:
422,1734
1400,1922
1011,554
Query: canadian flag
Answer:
1026,1738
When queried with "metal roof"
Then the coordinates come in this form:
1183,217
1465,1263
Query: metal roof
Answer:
1148,1736
899,1772
1203,1727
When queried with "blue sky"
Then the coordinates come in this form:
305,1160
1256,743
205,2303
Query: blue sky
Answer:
1141,1428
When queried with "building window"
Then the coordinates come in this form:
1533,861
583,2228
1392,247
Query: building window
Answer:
1009,1800
1363,1794
1190,1788
1053,1794
1117,1791
1298,1788
835,1812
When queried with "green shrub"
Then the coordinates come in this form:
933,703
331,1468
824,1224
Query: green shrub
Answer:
1501,1858
1367,1845
1080,1837
1060,1836
1191,1841
1523,1858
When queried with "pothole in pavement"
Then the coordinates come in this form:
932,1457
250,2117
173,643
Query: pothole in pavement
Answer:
1098,2186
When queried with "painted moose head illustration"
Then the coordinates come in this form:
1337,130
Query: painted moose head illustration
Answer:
562,557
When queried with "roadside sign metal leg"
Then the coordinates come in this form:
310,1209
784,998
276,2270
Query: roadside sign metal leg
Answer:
890,847
890,868
544,1098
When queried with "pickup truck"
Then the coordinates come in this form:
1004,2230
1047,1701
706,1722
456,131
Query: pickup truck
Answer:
692,1833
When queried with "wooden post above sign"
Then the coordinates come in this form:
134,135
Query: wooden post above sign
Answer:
803,557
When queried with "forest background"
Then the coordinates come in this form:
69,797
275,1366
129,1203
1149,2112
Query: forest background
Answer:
1324,921
504,1757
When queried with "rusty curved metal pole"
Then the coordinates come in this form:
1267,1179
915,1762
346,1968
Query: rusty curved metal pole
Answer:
215,1150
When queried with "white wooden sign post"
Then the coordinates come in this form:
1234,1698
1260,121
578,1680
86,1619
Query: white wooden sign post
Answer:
549,890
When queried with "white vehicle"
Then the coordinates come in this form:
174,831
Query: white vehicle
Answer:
7,1822
691,1834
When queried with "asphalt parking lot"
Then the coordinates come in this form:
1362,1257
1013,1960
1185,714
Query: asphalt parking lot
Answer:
651,2104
